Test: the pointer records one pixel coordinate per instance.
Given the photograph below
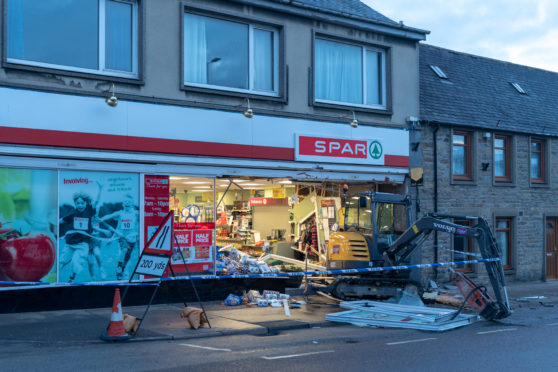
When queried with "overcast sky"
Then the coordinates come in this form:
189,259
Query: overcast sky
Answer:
518,31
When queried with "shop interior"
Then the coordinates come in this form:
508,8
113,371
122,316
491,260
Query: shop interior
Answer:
275,217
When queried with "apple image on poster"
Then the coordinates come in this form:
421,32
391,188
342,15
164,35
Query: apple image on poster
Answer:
26,258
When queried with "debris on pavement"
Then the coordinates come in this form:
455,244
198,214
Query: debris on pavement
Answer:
374,313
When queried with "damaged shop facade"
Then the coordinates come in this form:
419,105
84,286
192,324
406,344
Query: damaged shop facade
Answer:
247,130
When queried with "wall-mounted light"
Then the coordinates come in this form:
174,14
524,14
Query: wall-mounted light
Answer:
354,122
248,112
486,135
112,100
485,166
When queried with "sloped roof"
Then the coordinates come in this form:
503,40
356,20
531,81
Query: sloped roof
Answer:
346,7
478,93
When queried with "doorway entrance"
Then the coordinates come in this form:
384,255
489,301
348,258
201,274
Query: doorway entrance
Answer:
551,248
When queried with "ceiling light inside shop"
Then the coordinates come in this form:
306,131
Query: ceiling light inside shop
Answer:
200,190
253,184
197,182
286,182
174,178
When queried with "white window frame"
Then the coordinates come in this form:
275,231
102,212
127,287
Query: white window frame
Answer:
101,43
251,72
383,81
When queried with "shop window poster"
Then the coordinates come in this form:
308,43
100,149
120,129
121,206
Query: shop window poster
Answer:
28,225
98,226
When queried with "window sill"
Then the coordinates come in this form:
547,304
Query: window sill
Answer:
234,93
461,182
537,185
349,107
86,75
503,183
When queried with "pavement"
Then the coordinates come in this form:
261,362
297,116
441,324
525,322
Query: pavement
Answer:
530,301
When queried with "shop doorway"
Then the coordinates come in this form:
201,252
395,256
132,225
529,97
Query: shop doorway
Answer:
552,248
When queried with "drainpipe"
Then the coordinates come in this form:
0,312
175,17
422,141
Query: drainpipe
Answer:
435,148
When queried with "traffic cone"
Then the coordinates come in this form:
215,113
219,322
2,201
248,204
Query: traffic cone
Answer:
115,330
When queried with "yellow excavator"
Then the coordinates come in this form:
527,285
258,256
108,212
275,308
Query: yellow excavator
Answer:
377,232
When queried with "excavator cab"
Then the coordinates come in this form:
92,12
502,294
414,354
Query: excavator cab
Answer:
372,221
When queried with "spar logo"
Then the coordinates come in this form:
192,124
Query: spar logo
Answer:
339,148
375,150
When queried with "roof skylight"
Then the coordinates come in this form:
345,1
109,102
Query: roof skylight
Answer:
518,88
438,71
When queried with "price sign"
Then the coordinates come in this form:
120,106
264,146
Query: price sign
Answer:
152,265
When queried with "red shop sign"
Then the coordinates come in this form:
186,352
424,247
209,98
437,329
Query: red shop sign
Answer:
203,238
332,147
268,201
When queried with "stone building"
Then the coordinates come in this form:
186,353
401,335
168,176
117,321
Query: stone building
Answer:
488,142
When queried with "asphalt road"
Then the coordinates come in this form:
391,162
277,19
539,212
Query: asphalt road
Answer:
526,344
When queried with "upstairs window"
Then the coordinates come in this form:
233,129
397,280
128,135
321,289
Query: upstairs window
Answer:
537,161
230,55
502,170
461,155
91,36
349,74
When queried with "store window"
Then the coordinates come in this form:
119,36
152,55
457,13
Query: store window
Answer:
28,225
91,36
231,55
502,163
537,164
349,74
503,237
462,248
192,199
461,156
98,225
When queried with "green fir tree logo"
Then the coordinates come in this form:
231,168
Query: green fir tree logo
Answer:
375,150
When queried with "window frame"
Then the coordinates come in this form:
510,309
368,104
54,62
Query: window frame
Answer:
133,75
385,49
252,23
507,157
509,231
542,168
468,175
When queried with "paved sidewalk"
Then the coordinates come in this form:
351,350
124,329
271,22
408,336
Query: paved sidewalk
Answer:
163,322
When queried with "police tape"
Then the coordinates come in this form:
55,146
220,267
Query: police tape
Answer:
265,275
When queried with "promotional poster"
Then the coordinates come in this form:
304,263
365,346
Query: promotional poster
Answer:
98,226
28,225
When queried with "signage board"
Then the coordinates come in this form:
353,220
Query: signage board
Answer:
153,265
162,240
369,151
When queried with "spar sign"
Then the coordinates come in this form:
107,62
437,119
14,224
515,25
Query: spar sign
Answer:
355,151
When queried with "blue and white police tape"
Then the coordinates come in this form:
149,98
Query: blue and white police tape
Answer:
266,275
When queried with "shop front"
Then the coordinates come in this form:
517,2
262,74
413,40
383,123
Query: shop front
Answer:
78,205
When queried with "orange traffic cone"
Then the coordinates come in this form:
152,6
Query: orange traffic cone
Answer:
115,330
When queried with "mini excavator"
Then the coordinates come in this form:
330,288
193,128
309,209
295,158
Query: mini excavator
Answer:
377,233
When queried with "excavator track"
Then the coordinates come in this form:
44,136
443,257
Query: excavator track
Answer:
357,288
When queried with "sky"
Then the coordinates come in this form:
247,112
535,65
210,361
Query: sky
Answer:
519,31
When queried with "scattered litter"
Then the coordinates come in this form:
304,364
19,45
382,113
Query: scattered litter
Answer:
449,300
286,307
276,303
263,302
529,298
233,300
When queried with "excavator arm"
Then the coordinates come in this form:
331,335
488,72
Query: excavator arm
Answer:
415,236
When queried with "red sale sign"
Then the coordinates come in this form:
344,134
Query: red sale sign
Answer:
203,238
184,238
